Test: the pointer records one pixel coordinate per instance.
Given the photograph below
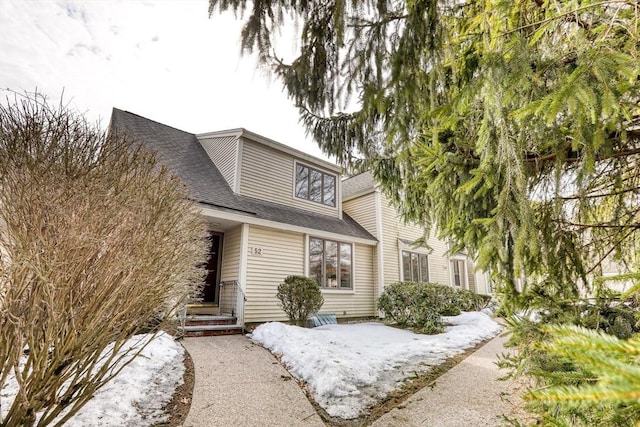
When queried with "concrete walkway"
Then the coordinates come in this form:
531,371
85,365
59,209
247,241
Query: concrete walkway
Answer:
469,394
239,383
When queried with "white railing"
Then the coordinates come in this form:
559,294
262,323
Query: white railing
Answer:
232,299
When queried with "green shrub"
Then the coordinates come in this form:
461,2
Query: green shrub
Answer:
299,298
469,301
420,305
618,320
396,302
429,301
448,300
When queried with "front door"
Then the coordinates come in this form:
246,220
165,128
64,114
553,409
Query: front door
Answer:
210,291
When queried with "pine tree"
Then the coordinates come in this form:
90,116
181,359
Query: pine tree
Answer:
514,126
510,127
601,385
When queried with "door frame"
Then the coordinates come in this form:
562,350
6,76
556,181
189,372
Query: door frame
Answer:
220,235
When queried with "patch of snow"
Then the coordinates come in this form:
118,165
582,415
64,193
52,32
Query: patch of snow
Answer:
137,394
350,367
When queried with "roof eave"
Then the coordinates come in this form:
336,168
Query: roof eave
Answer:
358,194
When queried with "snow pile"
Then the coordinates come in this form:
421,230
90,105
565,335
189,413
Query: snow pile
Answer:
350,367
137,394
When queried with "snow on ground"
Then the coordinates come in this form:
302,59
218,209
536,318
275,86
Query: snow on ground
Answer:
349,367
137,394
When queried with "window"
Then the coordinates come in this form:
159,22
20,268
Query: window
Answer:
314,185
415,267
331,263
457,272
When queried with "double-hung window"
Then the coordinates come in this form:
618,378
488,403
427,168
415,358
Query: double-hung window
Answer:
315,185
331,263
415,267
457,272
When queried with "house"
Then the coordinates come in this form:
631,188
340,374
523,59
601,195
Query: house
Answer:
397,257
274,211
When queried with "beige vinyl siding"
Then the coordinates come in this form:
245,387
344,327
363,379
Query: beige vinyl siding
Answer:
471,277
223,151
439,262
361,302
482,283
363,210
390,242
394,229
230,268
268,174
273,255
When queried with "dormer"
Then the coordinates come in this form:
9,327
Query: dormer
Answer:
223,150
259,167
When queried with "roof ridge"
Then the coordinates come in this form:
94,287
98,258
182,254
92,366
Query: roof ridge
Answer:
154,121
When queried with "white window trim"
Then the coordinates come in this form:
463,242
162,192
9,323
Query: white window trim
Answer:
306,255
337,201
402,246
464,274
341,291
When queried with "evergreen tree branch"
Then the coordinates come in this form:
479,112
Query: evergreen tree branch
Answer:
569,13
576,156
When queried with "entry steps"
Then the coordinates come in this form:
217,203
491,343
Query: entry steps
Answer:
202,325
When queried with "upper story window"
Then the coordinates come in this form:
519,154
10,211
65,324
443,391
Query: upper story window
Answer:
314,185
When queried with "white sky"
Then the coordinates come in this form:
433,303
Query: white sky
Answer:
164,60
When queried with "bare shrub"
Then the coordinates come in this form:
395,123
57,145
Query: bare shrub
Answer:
96,239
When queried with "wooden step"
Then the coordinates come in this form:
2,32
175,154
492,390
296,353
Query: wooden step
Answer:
203,309
211,330
202,319
210,325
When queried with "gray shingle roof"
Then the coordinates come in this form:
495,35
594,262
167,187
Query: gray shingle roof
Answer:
182,152
358,184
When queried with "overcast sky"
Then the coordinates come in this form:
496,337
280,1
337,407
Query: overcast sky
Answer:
164,60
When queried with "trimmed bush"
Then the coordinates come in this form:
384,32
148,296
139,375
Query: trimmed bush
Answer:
299,298
470,301
420,305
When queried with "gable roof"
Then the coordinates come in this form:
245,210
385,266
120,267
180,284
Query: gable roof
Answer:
184,155
358,185
262,140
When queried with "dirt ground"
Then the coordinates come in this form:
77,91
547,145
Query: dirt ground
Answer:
180,403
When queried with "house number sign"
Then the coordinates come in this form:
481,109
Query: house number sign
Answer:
254,250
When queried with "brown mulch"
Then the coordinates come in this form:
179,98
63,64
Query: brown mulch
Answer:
180,403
